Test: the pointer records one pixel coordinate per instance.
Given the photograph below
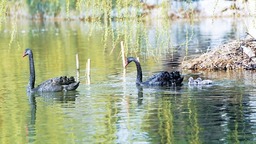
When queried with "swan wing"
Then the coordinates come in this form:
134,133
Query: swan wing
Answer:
58,84
165,79
206,82
176,78
160,79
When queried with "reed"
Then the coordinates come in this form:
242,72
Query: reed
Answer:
123,54
88,71
77,62
77,68
123,59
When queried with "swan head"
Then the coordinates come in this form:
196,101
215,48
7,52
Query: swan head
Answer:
27,52
191,80
199,79
129,59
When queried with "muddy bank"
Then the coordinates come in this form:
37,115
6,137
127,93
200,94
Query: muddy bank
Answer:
237,54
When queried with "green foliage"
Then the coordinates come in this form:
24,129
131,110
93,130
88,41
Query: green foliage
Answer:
38,7
2,12
74,9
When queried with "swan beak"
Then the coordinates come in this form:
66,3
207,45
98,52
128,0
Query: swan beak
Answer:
24,55
126,63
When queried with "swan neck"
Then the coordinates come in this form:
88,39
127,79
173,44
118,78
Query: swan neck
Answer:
139,72
32,72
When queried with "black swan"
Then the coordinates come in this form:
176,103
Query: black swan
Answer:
62,83
160,79
199,81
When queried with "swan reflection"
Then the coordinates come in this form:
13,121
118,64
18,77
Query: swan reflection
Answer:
62,97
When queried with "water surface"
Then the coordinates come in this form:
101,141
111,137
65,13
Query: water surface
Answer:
111,109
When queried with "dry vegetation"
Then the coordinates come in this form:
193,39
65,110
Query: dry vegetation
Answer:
238,54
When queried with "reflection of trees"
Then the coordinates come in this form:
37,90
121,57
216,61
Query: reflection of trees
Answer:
172,120
222,116
198,117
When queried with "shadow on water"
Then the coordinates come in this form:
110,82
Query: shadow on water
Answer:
49,97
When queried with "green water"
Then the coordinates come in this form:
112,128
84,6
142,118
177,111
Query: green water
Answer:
111,109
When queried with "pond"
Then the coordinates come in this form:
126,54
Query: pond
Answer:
108,107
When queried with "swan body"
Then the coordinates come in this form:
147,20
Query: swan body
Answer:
62,83
199,81
160,79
